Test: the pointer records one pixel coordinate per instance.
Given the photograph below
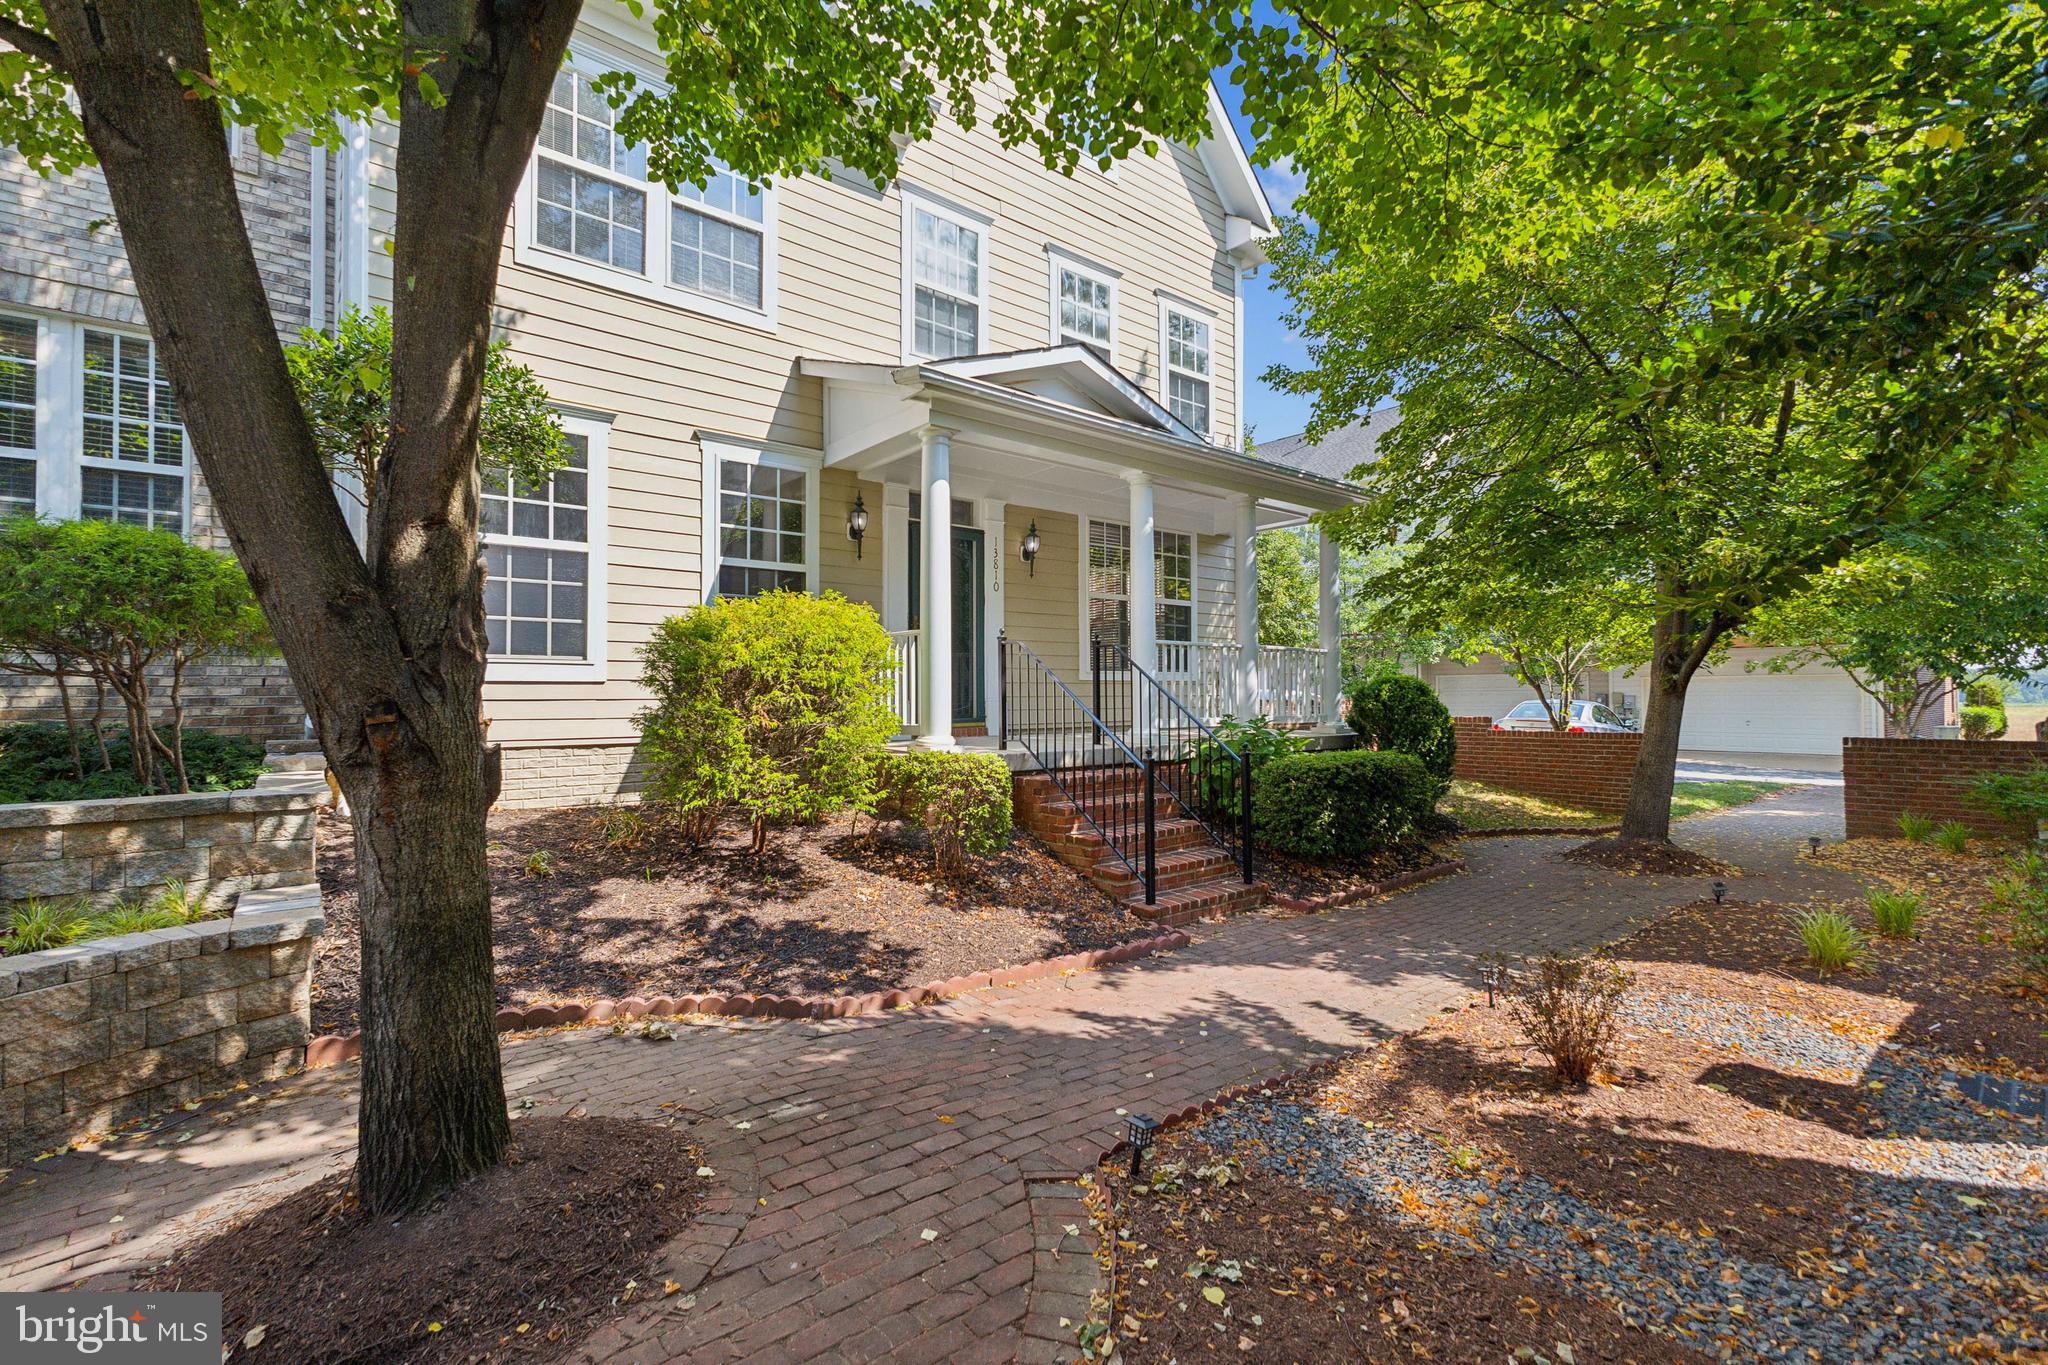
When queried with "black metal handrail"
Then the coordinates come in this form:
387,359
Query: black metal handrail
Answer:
1208,778
1102,777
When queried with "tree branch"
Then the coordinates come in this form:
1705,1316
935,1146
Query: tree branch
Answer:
35,43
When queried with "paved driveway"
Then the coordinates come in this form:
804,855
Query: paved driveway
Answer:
844,1162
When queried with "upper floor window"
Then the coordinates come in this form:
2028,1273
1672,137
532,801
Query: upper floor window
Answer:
1184,343
945,279
589,210
89,426
1083,304
543,563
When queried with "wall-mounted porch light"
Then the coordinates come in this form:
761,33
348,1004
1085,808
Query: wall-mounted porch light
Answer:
1028,547
857,524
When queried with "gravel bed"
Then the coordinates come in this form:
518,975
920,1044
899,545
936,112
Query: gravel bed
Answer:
1916,1266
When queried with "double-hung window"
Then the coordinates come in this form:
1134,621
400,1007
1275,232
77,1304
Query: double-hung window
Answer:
1083,304
89,426
590,211
945,281
543,564
1109,584
1184,342
762,508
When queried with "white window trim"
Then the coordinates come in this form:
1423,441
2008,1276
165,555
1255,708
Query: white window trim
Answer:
1058,258
720,448
1174,303
1194,585
653,282
59,456
594,666
982,226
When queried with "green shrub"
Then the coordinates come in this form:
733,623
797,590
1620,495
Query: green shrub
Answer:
130,919
1394,712
1913,828
1983,722
35,765
1954,837
1985,692
776,706
961,799
2023,895
1833,944
1340,803
1214,773
622,826
1896,912
2018,797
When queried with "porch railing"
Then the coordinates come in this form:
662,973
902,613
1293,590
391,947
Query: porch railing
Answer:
1291,684
1109,785
903,648
1208,779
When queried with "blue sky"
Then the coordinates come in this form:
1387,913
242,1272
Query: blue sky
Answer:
1271,414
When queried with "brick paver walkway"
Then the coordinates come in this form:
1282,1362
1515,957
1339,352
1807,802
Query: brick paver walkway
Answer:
835,1136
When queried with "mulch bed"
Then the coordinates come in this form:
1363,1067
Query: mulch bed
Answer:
825,911
519,1263
1304,880
1645,857
1956,988
1320,1283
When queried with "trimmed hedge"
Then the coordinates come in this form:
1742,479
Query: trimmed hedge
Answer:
961,799
1397,713
1340,803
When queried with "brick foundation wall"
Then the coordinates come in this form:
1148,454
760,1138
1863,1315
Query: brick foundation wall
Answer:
1583,770
587,776
219,844
100,1033
1932,777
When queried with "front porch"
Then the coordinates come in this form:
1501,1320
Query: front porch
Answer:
1073,501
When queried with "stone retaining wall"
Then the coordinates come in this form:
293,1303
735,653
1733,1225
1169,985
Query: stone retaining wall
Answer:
1590,770
100,1033
1881,778
219,844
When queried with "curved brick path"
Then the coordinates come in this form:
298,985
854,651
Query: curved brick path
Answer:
818,1252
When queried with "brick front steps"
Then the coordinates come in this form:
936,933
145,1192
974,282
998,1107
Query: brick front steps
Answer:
1196,879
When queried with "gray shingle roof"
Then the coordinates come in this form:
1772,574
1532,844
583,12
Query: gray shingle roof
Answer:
1336,455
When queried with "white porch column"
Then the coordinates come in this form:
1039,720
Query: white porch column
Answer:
935,593
1144,575
1329,628
1245,555
994,573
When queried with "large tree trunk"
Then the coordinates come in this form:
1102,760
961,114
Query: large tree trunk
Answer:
386,651
1679,643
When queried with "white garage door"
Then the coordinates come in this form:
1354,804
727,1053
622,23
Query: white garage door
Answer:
1480,694
1807,712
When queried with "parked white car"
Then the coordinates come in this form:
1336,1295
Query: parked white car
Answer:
1587,717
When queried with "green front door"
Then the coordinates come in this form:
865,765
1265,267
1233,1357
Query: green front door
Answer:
970,692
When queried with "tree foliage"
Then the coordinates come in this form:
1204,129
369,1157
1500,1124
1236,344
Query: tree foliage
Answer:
1287,590
121,606
776,706
1547,638
344,385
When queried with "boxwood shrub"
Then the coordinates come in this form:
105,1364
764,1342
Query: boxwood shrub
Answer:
1340,803
1393,711
961,799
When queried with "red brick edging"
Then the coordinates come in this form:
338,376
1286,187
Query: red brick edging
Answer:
1371,889
333,1048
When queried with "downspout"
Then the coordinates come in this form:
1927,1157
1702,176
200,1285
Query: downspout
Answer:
316,253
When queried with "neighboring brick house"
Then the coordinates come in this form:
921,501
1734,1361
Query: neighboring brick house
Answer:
88,426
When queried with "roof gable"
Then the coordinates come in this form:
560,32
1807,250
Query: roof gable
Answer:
1074,376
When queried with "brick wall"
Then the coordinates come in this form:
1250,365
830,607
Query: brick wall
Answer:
571,776
219,844
1583,770
61,252
1932,777
252,698
100,1033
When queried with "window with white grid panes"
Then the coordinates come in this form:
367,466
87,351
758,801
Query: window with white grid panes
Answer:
762,532
536,537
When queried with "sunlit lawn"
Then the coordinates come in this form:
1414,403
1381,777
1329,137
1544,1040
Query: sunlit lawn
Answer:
1478,806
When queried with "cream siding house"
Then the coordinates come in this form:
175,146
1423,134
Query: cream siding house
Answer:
748,372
